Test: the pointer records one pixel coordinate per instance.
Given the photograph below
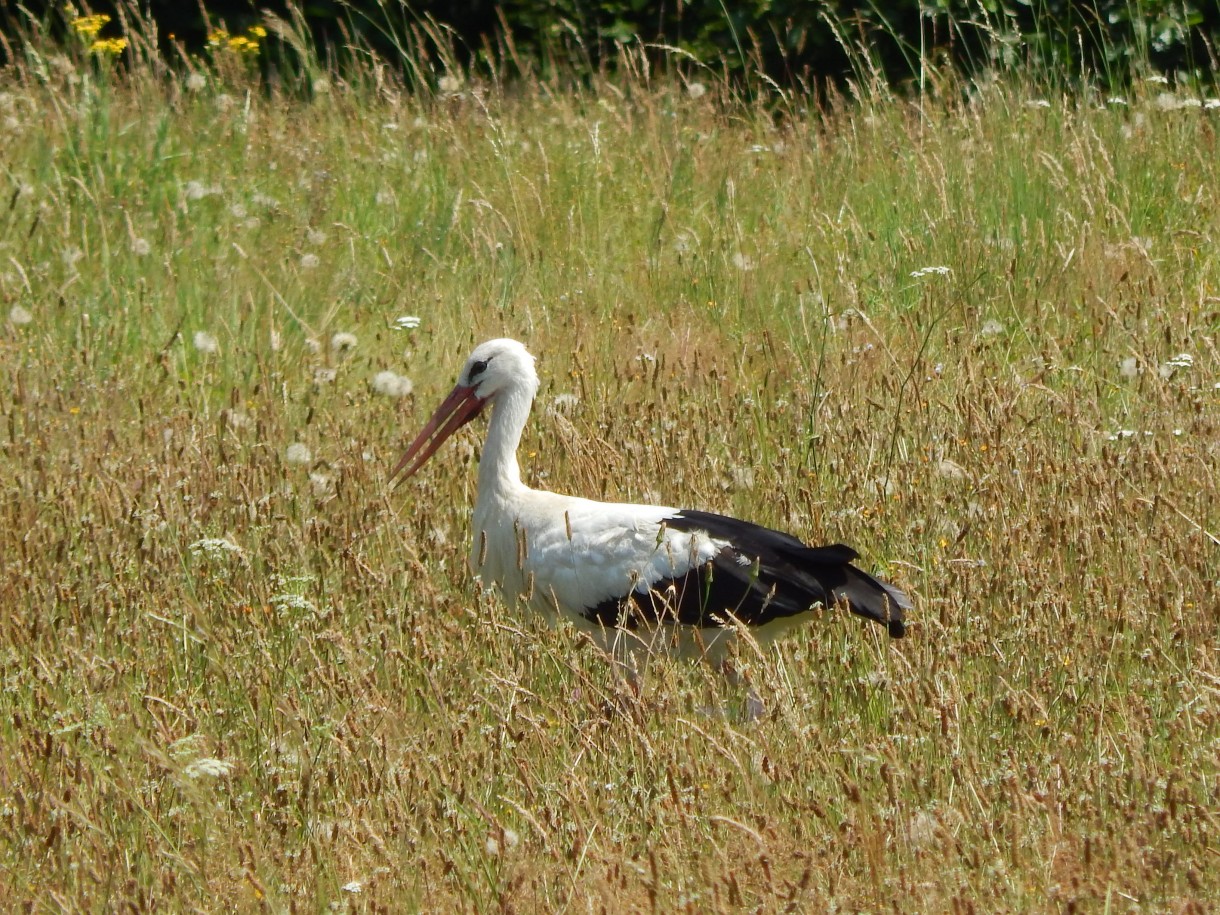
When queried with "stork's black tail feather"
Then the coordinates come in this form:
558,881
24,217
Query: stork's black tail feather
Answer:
777,575
874,599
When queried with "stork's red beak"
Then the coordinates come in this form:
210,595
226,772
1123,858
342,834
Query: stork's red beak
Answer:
460,407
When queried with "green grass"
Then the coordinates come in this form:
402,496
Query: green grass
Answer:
727,291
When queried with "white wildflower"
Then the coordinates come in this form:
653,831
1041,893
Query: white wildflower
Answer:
449,84
391,384
324,375
1037,103
1116,100
287,601
1158,79
1212,104
342,342
1180,361
406,322
352,886
207,766
19,316
928,271
215,548
298,453
206,343
320,86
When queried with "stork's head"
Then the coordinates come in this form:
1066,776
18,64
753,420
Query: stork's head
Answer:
495,368
497,365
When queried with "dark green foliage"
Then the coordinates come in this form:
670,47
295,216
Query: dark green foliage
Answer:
788,40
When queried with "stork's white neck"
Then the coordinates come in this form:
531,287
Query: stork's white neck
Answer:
499,473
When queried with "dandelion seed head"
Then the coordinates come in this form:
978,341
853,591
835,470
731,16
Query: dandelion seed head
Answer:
140,247
298,453
206,343
320,86
742,262
323,484
991,327
197,190
196,82
208,767
391,384
324,375
696,90
343,342
309,261
1129,367
316,237
449,84
19,316
950,470
236,420
565,402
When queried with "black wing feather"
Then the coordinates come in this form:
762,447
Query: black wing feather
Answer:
765,575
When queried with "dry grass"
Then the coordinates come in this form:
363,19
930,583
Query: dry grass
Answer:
234,680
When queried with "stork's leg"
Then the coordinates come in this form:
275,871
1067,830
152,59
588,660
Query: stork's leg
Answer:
755,707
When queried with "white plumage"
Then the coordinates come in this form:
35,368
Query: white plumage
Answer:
631,574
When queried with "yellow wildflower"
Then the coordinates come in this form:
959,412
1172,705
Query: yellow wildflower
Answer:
109,46
217,38
89,25
257,31
243,45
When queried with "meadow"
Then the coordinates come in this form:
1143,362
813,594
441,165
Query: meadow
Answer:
971,331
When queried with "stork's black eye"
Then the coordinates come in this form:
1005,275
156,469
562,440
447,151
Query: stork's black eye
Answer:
477,369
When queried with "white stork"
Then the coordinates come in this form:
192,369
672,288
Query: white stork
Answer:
632,574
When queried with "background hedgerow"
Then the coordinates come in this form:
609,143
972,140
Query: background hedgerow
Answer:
971,332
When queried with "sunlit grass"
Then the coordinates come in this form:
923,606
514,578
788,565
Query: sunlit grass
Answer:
238,670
